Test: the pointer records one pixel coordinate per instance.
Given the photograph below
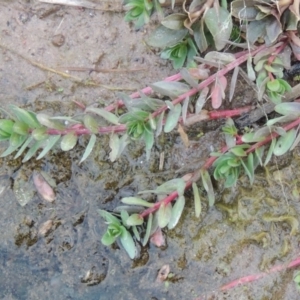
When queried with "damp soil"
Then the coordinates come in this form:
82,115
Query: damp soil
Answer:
53,55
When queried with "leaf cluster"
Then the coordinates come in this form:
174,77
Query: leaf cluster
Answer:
229,166
115,230
181,52
265,81
28,130
265,20
181,35
139,11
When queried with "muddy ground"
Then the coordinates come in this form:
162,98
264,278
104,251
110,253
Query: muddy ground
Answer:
51,55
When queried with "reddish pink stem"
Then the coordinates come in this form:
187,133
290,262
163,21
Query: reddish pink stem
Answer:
250,278
79,129
229,113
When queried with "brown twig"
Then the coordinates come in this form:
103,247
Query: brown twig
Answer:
99,70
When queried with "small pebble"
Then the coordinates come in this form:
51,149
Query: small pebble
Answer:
45,228
58,40
43,188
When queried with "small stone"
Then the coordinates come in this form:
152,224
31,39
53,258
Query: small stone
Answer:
58,40
45,228
43,187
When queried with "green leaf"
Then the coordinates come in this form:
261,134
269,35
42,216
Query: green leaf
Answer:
124,141
172,89
21,128
201,100
39,133
163,37
244,12
6,127
288,108
185,109
108,116
232,178
260,65
49,123
124,216
285,142
114,144
133,116
199,35
33,149
207,184
219,23
259,152
238,151
136,233
91,124
281,119
275,97
273,85
177,210
172,118
128,243
270,151
68,141
152,122
24,146
16,140
89,148
174,21
176,184
109,218
285,85
249,168
107,239
297,277
11,148
148,230
197,200
134,220
26,117
185,74
136,201
66,119
164,214
51,141
114,229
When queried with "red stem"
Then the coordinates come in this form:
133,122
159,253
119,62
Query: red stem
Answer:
79,129
229,113
250,278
